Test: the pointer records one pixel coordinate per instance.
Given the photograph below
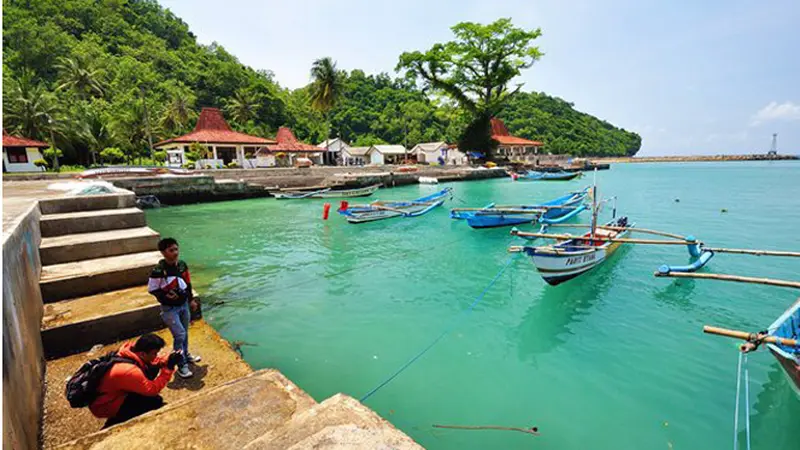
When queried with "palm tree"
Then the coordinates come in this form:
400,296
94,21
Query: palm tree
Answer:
179,112
75,73
243,106
96,133
326,88
31,110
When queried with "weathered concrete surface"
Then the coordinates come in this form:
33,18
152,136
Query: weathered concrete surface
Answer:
76,247
220,365
90,221
225,417
74,326
190,189
23,363
19,196
65,204
76,279
340,422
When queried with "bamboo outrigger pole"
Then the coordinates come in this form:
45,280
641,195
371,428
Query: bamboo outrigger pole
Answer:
633,229
737,278
747,251
514,208
750,337
604,238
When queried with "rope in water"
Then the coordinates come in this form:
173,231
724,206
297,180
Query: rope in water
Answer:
742,362
532,430
444,333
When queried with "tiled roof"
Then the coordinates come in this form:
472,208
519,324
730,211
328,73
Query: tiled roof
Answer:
500,134
212,128
15,141
287,142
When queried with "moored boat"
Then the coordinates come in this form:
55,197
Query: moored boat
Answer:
553,211
568,259
387,210
533,175
787,326
294,194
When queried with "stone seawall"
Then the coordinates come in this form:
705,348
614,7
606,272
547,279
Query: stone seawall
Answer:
23,358
696,158
180,190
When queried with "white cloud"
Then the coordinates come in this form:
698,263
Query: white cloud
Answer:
774,111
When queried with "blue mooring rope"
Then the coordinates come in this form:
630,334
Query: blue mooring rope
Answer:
444,333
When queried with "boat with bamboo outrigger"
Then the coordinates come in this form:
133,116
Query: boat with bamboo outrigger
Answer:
557,210
572,256
303,193
380,210
533,175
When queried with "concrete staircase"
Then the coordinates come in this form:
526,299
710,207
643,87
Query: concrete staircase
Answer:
96,253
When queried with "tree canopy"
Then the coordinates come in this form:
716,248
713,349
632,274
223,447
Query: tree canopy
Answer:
82,72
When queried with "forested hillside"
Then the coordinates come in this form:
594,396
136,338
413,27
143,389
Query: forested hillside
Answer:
91,70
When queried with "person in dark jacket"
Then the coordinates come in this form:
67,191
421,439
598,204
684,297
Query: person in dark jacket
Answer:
171,284
130,389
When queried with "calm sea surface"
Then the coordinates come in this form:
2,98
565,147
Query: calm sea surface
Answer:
615,359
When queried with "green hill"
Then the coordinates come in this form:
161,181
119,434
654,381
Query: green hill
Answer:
93,66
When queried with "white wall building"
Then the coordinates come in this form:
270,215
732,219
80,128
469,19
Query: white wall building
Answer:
438,153
19,153
355,156
387,154
335,149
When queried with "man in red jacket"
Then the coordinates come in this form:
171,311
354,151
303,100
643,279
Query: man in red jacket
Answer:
131,389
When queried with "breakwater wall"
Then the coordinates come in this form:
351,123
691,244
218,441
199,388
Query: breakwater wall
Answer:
23,356
697,158
180,190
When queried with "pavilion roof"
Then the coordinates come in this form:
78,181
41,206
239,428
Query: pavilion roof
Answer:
211,128
16,141
287,142
500,134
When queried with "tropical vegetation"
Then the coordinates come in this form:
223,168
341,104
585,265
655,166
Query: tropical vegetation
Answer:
92,75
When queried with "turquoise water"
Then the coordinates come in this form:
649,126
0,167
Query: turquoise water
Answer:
615,359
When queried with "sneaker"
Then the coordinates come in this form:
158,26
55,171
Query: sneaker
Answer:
193,358
184,372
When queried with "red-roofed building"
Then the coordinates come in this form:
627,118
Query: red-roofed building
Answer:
512,147
224,144
19,153
287,149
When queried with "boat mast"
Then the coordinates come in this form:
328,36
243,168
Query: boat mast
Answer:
594,203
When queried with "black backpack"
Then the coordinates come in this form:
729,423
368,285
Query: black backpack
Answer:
82,385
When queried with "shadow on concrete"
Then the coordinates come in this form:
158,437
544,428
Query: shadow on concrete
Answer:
195,383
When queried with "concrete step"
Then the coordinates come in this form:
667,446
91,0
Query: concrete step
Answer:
90,221
74,326
340,422
62,205
62,424
93,276
77,247
225,417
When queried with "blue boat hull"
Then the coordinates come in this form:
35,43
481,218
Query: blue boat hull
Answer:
493,221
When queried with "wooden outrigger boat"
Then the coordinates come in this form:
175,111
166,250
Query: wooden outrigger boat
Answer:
781,338
533,175
387,210
326,193
554,211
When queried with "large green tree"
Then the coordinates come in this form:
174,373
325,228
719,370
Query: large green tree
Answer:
476,70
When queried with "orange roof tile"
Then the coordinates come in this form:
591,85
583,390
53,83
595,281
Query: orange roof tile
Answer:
16,141
500,134
213,129
287,142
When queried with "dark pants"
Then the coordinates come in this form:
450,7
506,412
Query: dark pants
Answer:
134,405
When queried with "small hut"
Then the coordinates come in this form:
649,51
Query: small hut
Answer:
19,153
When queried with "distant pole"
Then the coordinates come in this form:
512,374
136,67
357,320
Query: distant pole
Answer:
56,166
405,137
774,148
147,125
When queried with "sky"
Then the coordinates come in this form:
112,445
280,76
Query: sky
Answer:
691,77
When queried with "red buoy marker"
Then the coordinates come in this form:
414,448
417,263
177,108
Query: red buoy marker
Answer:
326,209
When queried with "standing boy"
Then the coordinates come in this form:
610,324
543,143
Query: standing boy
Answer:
171,284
